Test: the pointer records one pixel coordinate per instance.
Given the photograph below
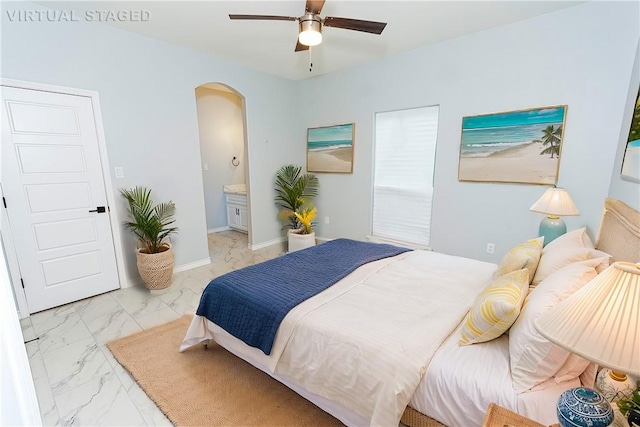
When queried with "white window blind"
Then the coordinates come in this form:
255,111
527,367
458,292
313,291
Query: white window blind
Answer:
405,153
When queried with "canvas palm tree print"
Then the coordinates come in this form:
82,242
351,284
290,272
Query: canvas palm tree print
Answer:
517,146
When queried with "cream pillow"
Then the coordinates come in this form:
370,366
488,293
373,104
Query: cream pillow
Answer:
555,259
496,308
533,358
573,239
525,255
572,368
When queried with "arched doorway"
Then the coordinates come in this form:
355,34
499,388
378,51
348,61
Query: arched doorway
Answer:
223,150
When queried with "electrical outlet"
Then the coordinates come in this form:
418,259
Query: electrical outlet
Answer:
491,248
326,220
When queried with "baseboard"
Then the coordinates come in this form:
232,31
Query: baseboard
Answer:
218,229
132,282
136,282
192,265
283,239
261,245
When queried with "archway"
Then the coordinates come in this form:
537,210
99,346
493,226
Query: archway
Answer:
223,151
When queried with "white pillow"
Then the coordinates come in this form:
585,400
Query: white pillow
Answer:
573,239
600,264
533,358
572,368
561,256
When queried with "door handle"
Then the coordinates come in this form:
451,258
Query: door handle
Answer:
99,209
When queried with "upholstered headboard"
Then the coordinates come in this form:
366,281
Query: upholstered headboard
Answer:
619,233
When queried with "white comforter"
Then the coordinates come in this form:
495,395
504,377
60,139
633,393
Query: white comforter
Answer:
367,341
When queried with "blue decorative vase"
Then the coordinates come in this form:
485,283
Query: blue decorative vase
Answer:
584,407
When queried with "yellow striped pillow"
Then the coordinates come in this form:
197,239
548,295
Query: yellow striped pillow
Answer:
525,255
496,308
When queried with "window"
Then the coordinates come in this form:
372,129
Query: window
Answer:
405,153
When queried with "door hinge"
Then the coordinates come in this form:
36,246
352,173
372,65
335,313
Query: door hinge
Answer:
4,202
22,281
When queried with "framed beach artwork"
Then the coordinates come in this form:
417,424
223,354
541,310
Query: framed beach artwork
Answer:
631,159
517,146
330,148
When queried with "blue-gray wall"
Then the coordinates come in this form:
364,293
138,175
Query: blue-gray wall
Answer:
625,190
581,56
147,94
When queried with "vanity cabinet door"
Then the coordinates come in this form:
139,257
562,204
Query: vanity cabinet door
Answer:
237,213
232,216
243,220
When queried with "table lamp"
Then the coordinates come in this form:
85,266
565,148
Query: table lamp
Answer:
600,322
555,202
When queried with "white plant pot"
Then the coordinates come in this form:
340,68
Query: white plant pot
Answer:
299,241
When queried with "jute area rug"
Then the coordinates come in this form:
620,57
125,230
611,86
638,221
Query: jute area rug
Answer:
210,387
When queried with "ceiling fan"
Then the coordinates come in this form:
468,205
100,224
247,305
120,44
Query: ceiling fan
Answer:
310,33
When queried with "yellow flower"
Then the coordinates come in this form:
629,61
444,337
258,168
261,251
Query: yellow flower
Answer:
305,217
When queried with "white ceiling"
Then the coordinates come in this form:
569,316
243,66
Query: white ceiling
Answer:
269,45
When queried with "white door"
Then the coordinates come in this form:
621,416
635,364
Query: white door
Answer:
55,197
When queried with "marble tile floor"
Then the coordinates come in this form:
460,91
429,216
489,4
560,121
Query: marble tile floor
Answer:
77,380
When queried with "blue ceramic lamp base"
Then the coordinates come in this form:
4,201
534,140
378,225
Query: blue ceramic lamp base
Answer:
551,228
584,407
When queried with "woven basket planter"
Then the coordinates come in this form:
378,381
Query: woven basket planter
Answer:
156,270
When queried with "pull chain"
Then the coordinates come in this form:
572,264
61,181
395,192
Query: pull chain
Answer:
310,62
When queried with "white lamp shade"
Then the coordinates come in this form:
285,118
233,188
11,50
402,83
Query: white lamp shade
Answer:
601,321
555,201
310,38
310,32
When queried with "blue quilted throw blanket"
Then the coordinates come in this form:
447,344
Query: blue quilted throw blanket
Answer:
251,302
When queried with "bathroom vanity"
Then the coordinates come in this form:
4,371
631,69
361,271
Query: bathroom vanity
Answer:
237,212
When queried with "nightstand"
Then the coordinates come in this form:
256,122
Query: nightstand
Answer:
497,416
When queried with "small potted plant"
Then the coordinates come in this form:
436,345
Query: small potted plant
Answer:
152,225
630,406
303,236
294,194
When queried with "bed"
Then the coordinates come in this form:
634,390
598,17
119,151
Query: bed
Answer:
382,343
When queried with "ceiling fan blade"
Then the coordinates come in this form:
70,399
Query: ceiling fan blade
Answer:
355,24
300,47
314,6
263,17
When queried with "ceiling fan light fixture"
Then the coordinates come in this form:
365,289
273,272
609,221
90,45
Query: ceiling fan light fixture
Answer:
310,24
310,30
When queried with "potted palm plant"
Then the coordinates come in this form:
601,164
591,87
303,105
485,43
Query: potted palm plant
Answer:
152,226
303,236
294,194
